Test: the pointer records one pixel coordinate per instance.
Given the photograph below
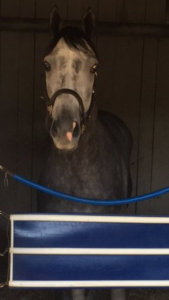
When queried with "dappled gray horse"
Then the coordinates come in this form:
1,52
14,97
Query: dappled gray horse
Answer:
91,149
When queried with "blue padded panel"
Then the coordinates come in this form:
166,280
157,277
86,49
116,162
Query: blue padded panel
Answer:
59,234
90,235
98,267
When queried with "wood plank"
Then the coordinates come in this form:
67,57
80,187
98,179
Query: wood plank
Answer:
43,8
27,9
25,109
147,123
156,11
125,101
8,117
128,11
8,107
75,9
167,12
134,11
107,13
120,11
39,131
104,92
160,172
10,8
39,108
24,121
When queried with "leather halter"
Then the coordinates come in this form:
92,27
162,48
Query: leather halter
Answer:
50,103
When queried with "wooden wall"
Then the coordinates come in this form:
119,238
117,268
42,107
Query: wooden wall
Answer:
133,83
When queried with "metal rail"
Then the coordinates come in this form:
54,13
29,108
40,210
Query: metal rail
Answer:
103,28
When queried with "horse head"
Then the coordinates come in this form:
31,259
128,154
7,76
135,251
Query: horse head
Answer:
70,66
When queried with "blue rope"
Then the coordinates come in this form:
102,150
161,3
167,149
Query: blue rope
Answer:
91,201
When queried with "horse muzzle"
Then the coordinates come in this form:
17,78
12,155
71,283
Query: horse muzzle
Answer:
65,134
66,139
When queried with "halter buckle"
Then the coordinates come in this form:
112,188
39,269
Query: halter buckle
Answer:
50,109
83,128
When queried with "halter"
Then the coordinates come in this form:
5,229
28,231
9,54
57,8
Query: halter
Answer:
51,101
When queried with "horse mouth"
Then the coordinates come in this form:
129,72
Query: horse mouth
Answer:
61,145
65,135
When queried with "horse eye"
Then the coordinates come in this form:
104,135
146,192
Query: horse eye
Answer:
47,66
94,69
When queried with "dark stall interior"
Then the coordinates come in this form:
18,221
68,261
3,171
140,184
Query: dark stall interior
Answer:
132,39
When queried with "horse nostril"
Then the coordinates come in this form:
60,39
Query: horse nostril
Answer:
54,130
74,132
76,129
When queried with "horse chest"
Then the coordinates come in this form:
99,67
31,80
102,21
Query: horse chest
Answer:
90,177
87,175
95,170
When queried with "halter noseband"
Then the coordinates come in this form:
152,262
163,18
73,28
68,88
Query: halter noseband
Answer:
50,103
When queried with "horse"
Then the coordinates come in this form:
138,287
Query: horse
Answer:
90,153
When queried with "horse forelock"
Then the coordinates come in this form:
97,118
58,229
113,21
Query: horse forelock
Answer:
74,38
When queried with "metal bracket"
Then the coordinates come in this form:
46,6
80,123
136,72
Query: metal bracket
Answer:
7,217
5,251
3,254
4,215
3,284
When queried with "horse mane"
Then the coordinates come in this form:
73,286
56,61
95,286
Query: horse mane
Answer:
74,38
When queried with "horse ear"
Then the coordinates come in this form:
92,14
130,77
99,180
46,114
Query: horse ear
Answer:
88,22
55,21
